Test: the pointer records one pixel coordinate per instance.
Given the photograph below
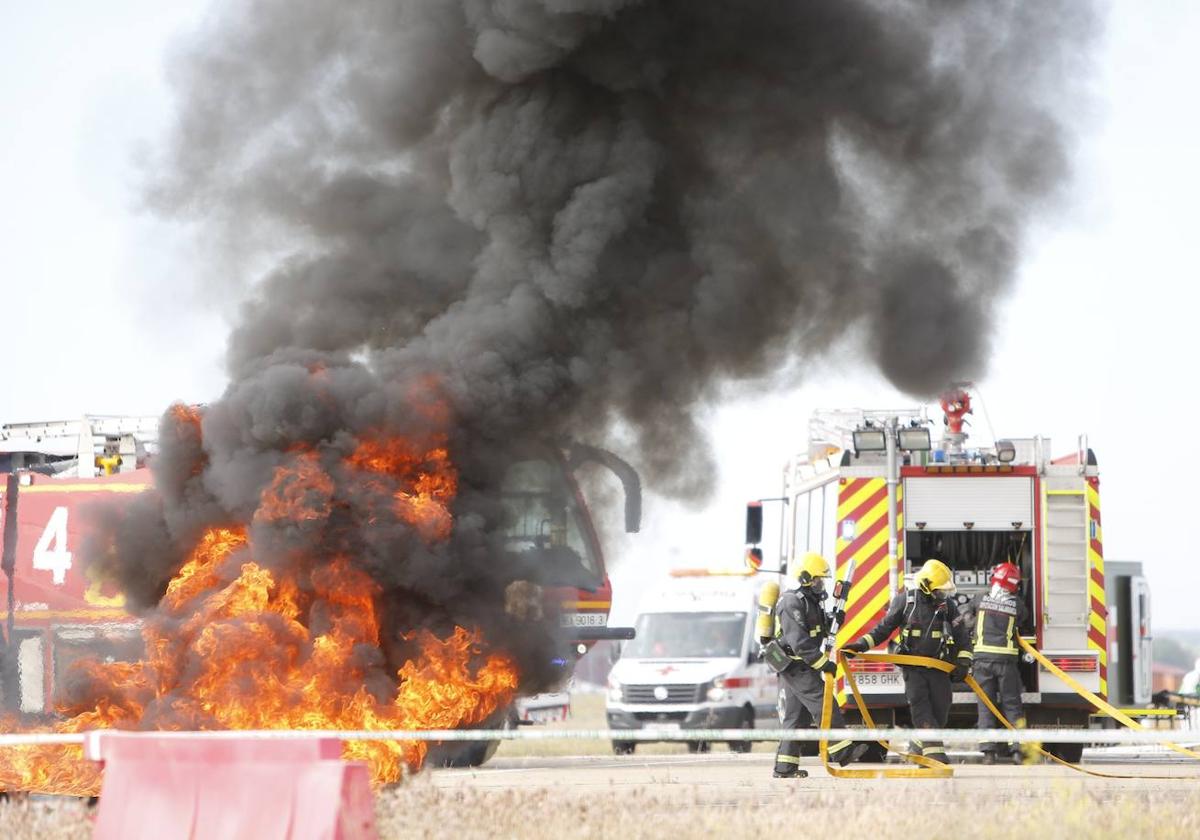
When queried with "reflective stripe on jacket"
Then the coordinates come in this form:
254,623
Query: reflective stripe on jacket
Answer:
997,623
801,625
923,622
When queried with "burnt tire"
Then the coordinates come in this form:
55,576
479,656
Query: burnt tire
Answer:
465,755
624,747
472,753
1072,753
747,723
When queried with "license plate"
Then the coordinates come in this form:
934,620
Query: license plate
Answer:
670,726
554,714
892,680
584,620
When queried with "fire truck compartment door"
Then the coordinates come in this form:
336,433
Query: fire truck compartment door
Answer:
958,503
1142,642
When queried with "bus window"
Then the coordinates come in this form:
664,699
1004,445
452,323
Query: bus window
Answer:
544,525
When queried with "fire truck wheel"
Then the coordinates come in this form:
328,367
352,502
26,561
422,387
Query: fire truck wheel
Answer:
1067,752
699,746
624,747
747,723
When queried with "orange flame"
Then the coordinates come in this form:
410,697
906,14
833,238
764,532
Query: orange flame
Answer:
236,645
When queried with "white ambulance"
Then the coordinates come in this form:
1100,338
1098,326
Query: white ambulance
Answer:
694,663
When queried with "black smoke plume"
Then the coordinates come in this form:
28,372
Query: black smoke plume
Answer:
565,217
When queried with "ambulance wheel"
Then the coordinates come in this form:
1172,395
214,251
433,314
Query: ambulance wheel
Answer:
699,746
747,723
624,747
1071,753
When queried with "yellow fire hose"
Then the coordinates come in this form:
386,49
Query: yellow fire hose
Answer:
1114,713
932,769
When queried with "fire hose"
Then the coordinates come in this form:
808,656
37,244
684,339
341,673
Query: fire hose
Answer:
929,768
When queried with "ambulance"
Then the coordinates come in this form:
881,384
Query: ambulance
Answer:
694,661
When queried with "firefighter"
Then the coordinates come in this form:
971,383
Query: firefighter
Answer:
998,617
927,619
800,626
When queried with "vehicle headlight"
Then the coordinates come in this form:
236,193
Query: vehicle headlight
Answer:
614,691
716,691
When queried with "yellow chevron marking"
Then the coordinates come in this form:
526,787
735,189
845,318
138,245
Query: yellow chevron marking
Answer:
865,582
868,521
846,506
856,625
1096,621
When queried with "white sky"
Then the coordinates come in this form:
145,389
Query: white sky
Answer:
102,314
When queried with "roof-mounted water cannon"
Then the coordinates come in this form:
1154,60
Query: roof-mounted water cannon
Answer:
956,404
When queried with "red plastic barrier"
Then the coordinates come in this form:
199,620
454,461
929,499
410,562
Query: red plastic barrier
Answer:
171,787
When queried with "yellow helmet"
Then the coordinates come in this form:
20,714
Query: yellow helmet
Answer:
935,576
809,567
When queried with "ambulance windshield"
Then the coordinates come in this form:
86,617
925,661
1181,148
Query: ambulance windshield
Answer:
691,635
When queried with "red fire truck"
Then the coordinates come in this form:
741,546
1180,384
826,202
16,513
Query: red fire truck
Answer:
874,489
57,611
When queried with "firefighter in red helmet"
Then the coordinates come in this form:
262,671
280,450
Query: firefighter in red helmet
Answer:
997,617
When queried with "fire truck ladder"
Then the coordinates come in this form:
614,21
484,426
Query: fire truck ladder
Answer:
1066,569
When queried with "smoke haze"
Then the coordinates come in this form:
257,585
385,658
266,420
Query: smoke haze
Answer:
498,223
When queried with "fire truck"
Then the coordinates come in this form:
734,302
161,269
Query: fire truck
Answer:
56,611
874,489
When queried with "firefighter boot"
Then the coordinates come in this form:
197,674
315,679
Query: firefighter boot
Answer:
853,754
789,773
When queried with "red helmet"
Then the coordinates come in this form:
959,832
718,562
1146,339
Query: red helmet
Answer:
1008,576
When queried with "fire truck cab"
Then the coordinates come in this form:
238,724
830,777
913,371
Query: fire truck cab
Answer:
55,611
875,489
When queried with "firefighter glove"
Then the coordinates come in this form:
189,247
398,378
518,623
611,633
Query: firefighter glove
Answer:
829,668
961,669
860,646
839,616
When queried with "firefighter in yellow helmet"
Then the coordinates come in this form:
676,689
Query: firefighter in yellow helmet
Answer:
928,619
800,625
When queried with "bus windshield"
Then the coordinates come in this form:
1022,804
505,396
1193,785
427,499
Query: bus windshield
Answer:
544,525
692,635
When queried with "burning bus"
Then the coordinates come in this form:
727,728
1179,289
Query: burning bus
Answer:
66,623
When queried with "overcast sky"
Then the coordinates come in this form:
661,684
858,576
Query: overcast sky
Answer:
105,314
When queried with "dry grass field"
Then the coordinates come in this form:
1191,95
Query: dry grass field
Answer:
421,810
725,796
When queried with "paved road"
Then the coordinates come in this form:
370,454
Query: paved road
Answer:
719,778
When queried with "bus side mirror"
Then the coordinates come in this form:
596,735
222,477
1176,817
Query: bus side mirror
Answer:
754,523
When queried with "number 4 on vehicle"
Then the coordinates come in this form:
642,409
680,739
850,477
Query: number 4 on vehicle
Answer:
57,559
